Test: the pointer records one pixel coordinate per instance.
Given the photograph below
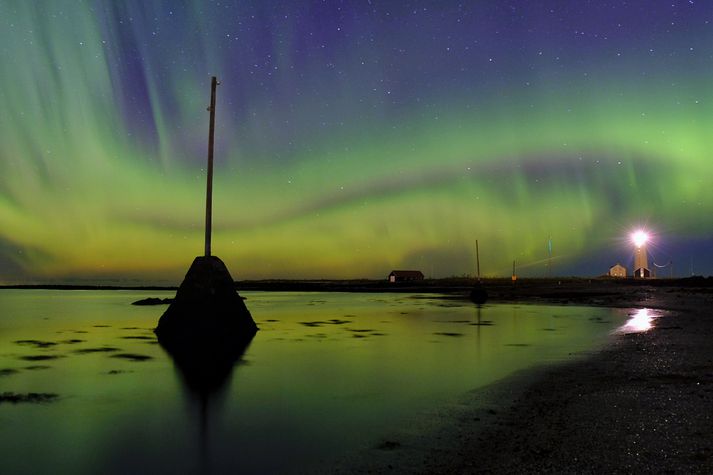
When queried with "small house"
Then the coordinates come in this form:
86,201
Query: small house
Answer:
617,270
642,273
405,275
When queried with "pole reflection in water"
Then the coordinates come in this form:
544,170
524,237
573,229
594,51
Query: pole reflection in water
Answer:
206,370
478,324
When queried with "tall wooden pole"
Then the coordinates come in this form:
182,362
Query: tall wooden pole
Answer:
477,259
209,184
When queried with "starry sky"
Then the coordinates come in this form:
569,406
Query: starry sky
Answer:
354,137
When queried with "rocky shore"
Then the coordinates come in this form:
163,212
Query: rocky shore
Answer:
641,404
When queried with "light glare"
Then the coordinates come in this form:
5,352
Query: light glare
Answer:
639,238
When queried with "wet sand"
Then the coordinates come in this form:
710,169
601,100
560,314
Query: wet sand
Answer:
642,403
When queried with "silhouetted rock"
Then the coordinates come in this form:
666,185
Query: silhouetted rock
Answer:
207,311
152,301
207,327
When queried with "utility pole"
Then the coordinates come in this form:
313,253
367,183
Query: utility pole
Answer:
477,260
549,257
209,185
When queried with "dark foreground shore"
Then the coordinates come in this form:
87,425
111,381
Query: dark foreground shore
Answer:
642,404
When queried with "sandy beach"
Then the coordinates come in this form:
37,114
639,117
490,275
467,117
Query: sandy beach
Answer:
642,403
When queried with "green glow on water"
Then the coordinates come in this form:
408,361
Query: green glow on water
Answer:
326,374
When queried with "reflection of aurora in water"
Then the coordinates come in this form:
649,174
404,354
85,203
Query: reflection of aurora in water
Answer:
351,139
326,374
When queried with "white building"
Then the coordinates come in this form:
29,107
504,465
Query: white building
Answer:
617,270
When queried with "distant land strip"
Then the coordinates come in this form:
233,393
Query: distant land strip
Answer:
499,289
83,287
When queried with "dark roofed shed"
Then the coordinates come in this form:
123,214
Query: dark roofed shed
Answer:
405,275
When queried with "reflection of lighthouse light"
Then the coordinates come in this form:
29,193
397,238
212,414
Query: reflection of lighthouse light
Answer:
641,321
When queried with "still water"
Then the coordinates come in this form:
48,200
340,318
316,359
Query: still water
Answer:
327,374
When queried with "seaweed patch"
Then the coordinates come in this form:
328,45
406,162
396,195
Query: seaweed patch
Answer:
34,398
102,349
36,343
132,357
40,357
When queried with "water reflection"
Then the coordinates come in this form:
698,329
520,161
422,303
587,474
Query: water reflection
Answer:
478,324
329,374
640,321
205,369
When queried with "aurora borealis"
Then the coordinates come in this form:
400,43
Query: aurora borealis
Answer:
353,137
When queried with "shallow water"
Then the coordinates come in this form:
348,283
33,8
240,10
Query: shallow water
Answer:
327,374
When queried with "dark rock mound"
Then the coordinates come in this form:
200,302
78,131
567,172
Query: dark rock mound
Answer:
207,327
206,312
152,301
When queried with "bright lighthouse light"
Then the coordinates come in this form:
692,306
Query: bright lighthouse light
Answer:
639,238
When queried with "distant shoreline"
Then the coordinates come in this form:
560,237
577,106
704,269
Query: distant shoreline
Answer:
588,291
81,287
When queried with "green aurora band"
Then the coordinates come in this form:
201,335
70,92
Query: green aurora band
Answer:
88,190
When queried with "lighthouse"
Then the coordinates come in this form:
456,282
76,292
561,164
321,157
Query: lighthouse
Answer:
641,262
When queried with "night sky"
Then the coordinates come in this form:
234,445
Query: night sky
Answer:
354,137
